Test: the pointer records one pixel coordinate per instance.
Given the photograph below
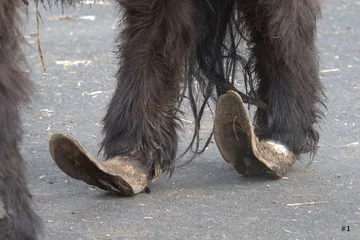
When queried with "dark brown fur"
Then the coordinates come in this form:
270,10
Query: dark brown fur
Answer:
164,46
141,122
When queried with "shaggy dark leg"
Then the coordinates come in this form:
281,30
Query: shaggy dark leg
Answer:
286,66
141,119
17,218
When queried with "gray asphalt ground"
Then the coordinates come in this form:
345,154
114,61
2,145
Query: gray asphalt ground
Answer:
206,199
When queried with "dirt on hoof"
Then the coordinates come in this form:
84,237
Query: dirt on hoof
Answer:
239,146
118,175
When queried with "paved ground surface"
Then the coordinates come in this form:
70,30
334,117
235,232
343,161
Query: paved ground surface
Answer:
206,199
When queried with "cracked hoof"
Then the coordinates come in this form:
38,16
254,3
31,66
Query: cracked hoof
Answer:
239,145
119,175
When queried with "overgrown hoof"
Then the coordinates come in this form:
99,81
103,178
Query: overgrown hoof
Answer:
119,175
239,146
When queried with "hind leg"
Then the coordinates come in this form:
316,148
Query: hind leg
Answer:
141,120
283,63
286,66
17,217
140,125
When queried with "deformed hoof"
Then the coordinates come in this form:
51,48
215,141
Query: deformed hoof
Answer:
239,146
117,175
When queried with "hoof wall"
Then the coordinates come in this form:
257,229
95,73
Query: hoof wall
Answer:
239,146
118,175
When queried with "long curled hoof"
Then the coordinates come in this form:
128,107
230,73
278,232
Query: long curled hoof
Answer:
239,146
119,175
